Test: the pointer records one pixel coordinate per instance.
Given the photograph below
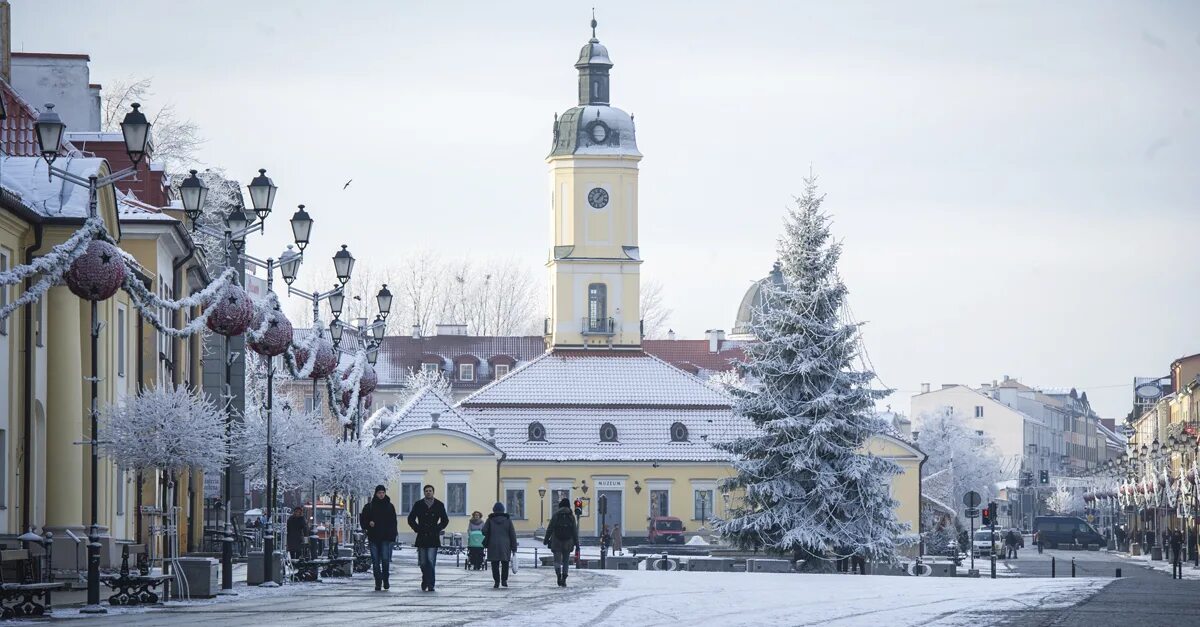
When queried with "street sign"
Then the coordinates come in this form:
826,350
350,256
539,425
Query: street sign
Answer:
972,512
971,499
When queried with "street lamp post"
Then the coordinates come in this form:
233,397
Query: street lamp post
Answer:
238,225
135,129
542,507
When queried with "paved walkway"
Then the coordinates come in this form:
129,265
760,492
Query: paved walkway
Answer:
461,597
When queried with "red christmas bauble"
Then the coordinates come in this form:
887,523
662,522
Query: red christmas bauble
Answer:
326,360
98,274
233,314
277,336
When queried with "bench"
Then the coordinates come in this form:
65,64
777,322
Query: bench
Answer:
309,569
135,588
19,598
339,567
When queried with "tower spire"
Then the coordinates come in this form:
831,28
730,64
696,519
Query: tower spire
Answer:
593,66
594,40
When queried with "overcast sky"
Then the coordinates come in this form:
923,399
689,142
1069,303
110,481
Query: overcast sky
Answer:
1015,182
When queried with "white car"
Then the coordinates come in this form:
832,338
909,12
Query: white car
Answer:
985,543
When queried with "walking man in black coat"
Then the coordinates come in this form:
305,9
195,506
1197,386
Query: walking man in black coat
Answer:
428,518
378,521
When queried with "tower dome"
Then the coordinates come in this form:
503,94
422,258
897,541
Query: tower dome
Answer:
752,304
594,127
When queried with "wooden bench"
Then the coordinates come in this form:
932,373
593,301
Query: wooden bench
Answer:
19,598
309,569
135,588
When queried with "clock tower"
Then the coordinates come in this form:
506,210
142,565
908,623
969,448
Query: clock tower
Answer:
594,262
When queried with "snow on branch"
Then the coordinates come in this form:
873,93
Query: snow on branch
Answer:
51,266
166,428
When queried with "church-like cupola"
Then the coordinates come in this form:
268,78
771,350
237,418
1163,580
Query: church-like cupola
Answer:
593,65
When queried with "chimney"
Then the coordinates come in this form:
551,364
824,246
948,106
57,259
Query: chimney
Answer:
416,333
434,418
671,334
1006,379
715,337
6,41
924,388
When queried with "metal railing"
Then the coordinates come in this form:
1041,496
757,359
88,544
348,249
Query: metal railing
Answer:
601,326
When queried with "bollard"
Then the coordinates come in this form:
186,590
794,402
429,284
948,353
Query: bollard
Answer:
456,558
993,565
1052,565
1072,567
1118,573
664,561
536,561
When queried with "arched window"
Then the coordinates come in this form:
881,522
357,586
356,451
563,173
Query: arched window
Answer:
537,433
597,307
679,432
608,433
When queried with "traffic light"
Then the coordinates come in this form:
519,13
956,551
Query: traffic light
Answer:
993,512
987,515
578,508
1044,477
602,505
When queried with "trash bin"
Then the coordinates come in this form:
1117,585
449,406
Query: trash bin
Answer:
254,568
200,574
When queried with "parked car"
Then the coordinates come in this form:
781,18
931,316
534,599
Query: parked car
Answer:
666,530
985,543
1051,531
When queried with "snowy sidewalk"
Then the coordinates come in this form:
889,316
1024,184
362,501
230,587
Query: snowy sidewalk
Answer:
1189,571
650,598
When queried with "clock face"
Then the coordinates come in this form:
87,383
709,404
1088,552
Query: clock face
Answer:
598,198
599,132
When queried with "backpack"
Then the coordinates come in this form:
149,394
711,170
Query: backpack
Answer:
564,526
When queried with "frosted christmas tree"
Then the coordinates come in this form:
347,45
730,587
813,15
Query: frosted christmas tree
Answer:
809,487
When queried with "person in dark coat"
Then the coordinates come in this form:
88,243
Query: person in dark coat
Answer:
500,540
297,532
562,536
378,521
1176,541
428,518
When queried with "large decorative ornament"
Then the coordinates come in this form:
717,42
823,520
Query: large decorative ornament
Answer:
277,336
233,314
98,273
367,382
326,360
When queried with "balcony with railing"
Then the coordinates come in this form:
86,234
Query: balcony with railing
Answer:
599,326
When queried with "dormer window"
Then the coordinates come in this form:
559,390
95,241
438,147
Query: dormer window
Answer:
466,372
679,432
608,433
537,433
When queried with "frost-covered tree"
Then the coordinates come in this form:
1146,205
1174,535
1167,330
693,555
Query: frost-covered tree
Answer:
298,441
968,458
1064,501
166,428
807,485
654,310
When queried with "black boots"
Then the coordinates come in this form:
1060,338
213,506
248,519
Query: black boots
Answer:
378,583
386,583
562,579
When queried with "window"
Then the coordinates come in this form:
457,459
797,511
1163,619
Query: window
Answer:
501,370
558,494
608,433
456,499
5,255
120,490
410,493
40,322
514,503
597,307
679,432
466,372
120,341
3,469
537,433
703,504
660,502
979,411
429,368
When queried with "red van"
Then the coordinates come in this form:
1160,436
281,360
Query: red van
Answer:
666,530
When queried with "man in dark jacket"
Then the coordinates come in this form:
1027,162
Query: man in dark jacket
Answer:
428,518
297,532
378,521
562,536
1176,541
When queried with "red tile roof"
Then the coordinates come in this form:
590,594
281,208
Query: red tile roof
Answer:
693,355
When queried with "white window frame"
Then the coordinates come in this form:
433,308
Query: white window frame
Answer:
658,485
122,340
409,477
560,484
501,370
703,485
466,372
523,486
430,367
5,264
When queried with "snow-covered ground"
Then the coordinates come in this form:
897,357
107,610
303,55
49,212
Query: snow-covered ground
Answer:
651,598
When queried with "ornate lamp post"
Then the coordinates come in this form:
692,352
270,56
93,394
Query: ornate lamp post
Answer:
542,508
135,129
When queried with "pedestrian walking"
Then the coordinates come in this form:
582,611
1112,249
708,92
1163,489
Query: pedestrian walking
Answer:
1176,540
428,518
616,538
500,540
562,536
475,541
605,539
1011,542
378,521
297,531
1120,533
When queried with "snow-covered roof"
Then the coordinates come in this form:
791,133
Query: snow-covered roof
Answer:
417,414
28,178
130,209
642,434
574,132
598,379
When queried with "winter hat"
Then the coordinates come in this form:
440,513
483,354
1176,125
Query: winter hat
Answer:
564,503
498,508
380,487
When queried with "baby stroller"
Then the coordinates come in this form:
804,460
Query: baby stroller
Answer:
475,550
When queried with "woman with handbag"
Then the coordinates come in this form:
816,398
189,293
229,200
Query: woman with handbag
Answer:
500,540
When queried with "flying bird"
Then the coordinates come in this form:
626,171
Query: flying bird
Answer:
347,184
444,444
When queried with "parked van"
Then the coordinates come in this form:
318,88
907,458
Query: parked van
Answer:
666,530
1051,531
